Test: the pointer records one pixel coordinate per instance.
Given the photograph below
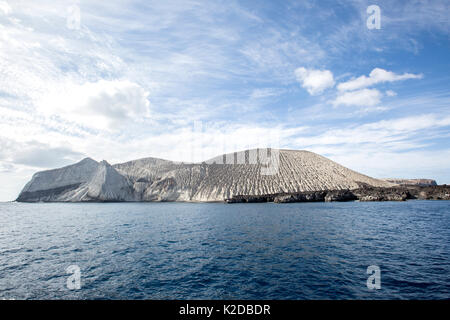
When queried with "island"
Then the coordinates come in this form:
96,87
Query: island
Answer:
256,175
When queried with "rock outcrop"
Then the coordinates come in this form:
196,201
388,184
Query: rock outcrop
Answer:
431,192
249,173
368,193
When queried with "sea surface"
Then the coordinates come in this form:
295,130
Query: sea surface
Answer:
225,251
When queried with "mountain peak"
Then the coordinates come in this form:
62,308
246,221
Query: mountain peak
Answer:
87,160
104,163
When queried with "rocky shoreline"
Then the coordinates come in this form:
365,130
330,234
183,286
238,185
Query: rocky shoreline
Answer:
364,193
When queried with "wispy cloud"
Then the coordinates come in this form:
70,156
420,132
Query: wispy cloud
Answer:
376,76
363,97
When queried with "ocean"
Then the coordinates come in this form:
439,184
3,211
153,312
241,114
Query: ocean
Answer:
224,251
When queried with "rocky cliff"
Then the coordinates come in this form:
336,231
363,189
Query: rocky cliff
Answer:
250,172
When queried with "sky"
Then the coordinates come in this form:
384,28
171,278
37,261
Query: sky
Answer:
189,80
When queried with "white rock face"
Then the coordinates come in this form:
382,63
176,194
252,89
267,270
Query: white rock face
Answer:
151,179
87,180
109,185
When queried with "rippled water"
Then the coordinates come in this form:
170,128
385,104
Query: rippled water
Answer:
219,251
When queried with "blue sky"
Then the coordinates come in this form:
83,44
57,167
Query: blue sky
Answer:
132,79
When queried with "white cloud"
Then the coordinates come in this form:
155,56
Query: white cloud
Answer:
261,93
36,154
314,81
391,93
364,98
102,105
376,76
5,8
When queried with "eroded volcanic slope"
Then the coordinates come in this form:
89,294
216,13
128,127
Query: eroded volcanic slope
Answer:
152,179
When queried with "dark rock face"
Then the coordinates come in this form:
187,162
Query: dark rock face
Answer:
311,196
45,195
364,193
251,199
340,195
383,194
308,196
431,192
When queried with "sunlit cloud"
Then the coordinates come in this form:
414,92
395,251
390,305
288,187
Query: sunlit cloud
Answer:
314,81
